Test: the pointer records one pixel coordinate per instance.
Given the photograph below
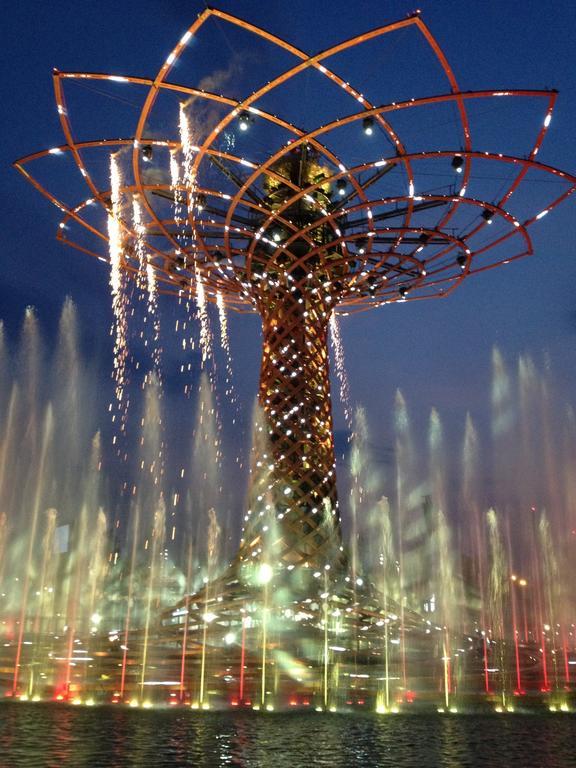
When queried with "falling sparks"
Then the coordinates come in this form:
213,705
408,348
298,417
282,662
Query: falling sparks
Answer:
155,317
119,299
341,368
223,323
205,332
189,176
175,187
225,343
139,243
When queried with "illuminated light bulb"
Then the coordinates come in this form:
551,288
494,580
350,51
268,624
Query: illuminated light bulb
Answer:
265,573
341,187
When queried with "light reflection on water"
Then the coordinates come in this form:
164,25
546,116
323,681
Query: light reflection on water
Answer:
48,736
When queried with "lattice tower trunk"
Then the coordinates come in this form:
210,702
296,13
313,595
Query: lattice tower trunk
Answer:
293,517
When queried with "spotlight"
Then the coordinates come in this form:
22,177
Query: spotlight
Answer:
457,163
147,153
461,261
200,201
423,238
277,235
341,187
361,245
368,126
488,215
403,290
244,121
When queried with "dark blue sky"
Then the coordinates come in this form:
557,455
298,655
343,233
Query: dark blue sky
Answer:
438,352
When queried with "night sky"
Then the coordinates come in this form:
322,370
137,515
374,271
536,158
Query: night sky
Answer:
437,352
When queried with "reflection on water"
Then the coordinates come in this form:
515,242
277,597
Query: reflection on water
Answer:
47,736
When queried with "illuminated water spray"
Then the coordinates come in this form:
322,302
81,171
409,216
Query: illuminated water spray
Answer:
208,617
498,591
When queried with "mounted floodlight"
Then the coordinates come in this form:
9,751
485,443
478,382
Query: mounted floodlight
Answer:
461,261
488,215
147,153
244,121
341,187
457,163
368,126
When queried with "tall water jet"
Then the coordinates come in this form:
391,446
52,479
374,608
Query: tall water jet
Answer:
386,579
502,423
46,434
212,553
498,593
408,537
153,584
447,602
551,582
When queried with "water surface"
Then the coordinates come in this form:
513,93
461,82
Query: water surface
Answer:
56,736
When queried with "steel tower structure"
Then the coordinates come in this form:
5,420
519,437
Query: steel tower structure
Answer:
297,233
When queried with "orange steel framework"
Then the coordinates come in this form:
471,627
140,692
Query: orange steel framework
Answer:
287,246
